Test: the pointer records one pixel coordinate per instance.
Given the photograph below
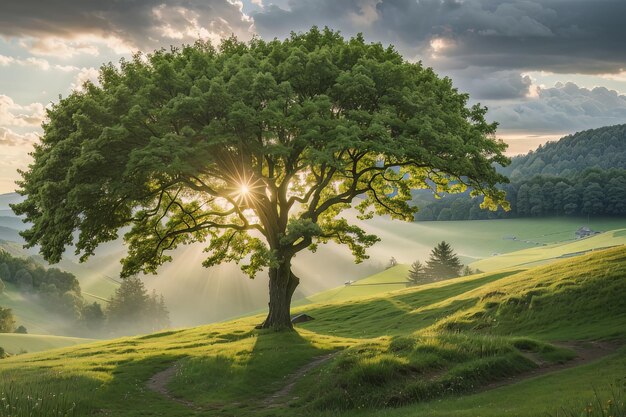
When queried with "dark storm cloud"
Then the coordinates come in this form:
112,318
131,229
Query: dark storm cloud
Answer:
565,107
138,23
558,35
492,84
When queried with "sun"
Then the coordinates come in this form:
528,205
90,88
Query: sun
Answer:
243,189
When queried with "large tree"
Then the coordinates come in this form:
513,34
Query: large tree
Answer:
255,148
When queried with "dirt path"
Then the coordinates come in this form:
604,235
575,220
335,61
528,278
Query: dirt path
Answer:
158,383
586,352
280,397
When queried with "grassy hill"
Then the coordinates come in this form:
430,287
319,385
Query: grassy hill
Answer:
549,252
441,349
17,343
189,289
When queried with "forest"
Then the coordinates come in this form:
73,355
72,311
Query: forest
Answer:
580,175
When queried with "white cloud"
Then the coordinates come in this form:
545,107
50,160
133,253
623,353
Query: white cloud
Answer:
60,48
184,24
14,114
11,138
28,62
84,75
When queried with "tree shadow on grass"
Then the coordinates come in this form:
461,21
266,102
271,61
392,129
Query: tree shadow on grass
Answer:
247,372
232,376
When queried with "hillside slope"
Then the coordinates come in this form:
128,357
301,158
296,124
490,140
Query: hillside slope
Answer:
404,348
603,148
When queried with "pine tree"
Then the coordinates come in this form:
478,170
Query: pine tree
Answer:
132,310
129,303
416,273
443,263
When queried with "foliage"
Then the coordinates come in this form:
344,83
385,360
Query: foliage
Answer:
443,263
581,174
391,263
93,317
21,330
58,290
7,321
254,147
132,310
2,286
417,273
603,148
390,341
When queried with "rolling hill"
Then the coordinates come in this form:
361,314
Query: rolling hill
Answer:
524,341
195,295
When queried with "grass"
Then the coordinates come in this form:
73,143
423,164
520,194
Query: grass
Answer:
30,313
549,253
415,351
189,288
16,343
388,280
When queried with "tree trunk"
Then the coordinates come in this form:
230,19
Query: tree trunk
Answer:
282,285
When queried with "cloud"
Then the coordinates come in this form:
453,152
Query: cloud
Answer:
563,108
27,62
61,48
493,84
11,138
575,36
13,114
84,75
68,27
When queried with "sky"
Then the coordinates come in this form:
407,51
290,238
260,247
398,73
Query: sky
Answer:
543,68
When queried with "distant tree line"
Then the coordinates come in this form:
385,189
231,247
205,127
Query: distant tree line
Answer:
57,290
593,192
130,310
580,175
603,148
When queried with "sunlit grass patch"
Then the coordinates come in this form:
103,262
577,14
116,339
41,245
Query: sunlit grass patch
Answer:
398,371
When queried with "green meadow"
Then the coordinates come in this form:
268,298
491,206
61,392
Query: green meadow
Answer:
485,344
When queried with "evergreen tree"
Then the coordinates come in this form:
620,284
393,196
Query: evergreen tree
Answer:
593,199
132,310
416,273
523,200
468,271
129,302
21,330
443,263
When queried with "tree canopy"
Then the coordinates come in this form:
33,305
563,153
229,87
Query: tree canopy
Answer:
254,148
